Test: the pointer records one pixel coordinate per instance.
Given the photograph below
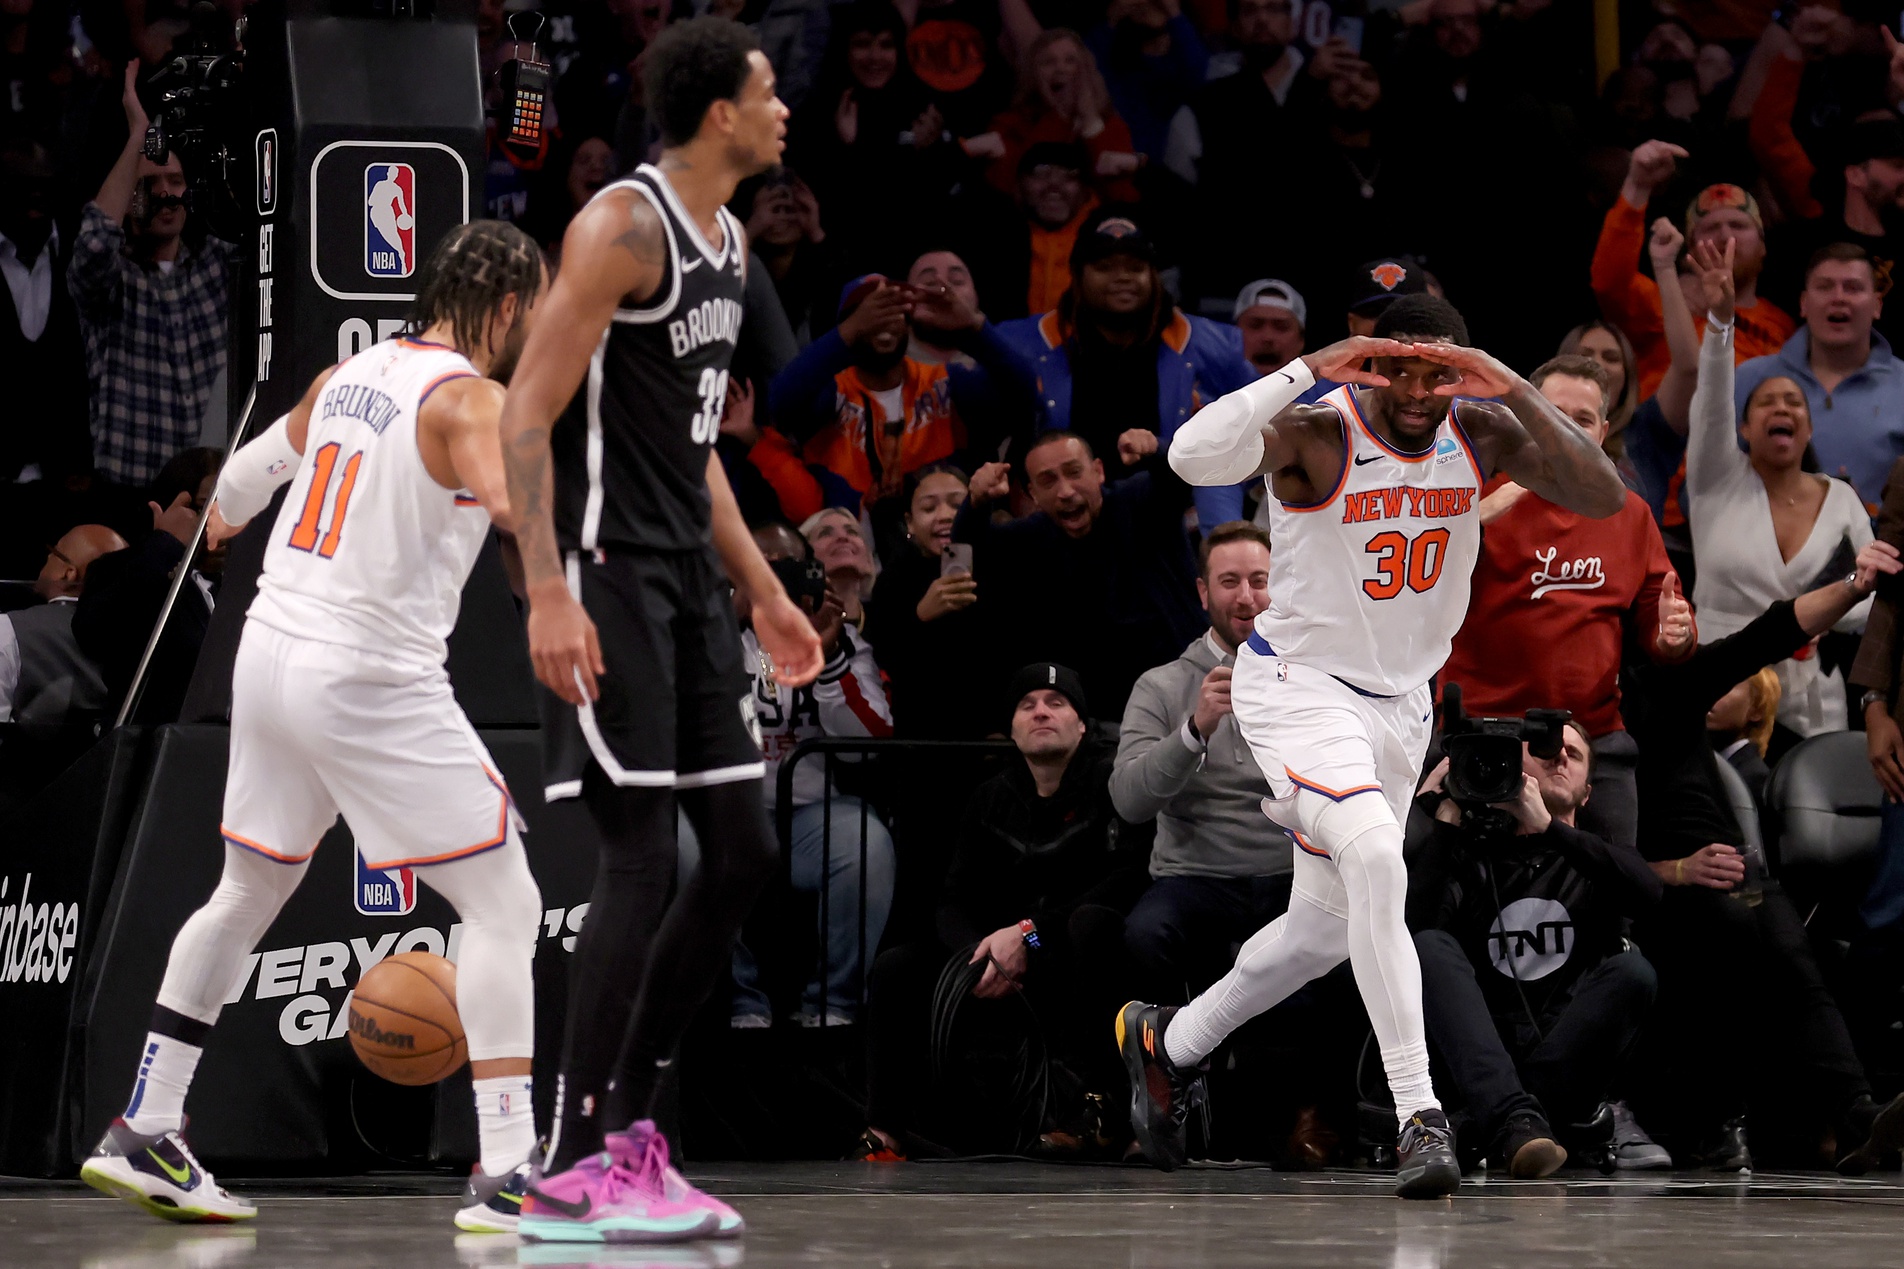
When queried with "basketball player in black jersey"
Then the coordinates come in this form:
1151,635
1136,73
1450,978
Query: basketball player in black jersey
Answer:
608,437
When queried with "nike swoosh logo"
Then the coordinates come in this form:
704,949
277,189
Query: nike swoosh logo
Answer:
1372,458
575,1211
690,266
1287,377
183,1176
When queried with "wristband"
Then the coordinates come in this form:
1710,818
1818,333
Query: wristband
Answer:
1679,872
1028,931
254,473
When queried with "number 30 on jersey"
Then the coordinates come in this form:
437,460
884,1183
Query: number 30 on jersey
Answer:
707,423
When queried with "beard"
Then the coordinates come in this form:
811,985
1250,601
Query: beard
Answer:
878,363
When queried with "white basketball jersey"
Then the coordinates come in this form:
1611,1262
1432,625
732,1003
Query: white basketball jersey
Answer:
1371,583
368,550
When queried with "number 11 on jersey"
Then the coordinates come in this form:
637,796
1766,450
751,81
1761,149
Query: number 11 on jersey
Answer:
323,465
707,423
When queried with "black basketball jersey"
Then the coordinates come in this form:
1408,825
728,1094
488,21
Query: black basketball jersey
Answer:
631,450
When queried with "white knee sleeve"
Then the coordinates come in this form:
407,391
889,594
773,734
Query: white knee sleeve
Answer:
496,898
1304,943
1368,856
209,952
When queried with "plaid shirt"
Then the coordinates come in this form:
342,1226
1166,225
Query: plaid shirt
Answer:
155,342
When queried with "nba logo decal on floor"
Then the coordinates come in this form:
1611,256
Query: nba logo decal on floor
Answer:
389,220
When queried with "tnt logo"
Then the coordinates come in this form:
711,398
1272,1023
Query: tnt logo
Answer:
390,220
379,892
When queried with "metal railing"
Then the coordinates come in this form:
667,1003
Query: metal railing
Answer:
830,749
136,689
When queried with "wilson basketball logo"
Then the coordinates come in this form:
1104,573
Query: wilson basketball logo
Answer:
390,220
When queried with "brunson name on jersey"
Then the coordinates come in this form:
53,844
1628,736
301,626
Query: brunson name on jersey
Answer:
1399,500
356,401
708,322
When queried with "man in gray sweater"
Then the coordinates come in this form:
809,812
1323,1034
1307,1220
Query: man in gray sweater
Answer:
1220,870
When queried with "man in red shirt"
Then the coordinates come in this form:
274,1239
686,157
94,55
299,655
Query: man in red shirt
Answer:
1630,300
1557,600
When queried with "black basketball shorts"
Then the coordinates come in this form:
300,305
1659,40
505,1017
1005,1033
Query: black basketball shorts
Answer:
676,705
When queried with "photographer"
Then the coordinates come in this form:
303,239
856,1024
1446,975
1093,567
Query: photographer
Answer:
1736,970
1531,993
153,301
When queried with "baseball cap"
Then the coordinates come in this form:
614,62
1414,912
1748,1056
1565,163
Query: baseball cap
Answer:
858,289
1111,234
1271,293
1378,281
1874,139
1048,675
1722,197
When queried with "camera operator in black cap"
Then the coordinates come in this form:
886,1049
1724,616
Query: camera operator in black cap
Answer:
1531,992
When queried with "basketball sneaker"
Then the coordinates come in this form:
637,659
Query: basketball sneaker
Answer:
493,1204
1160,1093
642,1148
160,1174
1425,1166
600,1201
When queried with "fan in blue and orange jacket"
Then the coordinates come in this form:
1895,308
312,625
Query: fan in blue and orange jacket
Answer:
852,415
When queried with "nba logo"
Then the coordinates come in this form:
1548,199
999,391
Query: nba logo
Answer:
377,892
389,220
266,152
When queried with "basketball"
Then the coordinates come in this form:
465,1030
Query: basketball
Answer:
403,1022
405,220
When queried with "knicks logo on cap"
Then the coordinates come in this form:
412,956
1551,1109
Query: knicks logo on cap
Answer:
1117,227
390,220
383,892
1388,275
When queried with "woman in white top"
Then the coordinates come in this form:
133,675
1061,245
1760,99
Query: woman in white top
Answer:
1763,527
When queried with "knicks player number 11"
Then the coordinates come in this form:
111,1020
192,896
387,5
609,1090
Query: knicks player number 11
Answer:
707,423
304,534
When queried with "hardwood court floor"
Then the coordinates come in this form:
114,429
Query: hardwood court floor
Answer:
932,1215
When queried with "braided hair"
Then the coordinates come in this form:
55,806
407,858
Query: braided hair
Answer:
465,279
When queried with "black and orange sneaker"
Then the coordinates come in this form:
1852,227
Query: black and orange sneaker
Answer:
1160,1093
1425,1166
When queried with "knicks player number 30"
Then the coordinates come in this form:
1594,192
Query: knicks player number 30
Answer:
713,390
304,534
1404,561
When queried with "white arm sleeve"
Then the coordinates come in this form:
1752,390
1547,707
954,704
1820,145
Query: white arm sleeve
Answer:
1713,456
254,473
1222,444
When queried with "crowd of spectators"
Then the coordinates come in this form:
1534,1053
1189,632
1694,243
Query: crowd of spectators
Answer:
1014,246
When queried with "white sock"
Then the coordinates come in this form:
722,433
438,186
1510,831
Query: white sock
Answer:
505,1122
158,1095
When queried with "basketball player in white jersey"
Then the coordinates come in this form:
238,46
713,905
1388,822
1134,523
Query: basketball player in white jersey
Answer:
340,702
1373,519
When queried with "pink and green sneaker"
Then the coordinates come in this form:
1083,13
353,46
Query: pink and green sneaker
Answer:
643,1146
600,1201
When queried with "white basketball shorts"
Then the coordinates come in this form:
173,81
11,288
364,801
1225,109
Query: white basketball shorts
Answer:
1312,733
319,728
